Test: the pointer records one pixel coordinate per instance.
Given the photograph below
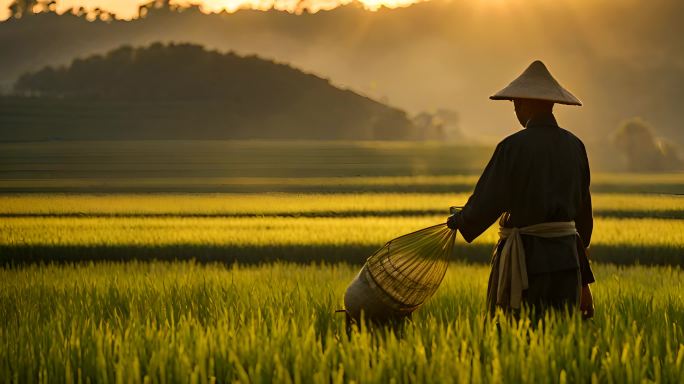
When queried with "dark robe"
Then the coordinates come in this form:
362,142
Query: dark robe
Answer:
539,174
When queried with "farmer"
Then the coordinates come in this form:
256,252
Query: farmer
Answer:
537,185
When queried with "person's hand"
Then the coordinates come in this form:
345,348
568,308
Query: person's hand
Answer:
586,303
451,222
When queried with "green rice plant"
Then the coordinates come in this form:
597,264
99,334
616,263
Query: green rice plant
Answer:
161,322
647,241
306,205
289,231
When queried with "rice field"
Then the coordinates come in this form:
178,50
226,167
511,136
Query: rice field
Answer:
225,262
244,314
300,205
270,166
186,322
153,180
287,231
251,228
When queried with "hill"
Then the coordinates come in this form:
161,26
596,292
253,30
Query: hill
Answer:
622,58
183,91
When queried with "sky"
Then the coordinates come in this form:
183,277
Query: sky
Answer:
622,58
128,9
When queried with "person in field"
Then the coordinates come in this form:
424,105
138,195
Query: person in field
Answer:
537,185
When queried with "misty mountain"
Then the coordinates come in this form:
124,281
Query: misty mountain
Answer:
183,91
622,58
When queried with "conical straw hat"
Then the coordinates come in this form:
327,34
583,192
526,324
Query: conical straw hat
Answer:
537,83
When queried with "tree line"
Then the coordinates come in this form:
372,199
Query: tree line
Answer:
226,94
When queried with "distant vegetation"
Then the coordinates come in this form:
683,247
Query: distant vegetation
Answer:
183,91
643,150
21,8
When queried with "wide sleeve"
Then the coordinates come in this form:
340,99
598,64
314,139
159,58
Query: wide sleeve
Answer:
585,224
489,200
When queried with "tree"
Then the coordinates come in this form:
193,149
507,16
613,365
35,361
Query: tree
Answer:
643,150
19,8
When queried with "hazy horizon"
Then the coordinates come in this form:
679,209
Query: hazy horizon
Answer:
620,58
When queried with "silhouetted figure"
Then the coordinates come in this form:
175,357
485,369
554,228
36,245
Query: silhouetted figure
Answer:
537,185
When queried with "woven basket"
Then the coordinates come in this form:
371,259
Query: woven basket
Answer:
399,277
364,296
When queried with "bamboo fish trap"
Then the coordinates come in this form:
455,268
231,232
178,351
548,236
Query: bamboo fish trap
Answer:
399,277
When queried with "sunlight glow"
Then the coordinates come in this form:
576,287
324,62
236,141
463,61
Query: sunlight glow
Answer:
293,6
129,9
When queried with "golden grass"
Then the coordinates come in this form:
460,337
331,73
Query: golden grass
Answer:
297,204
287,231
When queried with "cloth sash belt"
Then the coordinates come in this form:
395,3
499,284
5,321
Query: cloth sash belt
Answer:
512,266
